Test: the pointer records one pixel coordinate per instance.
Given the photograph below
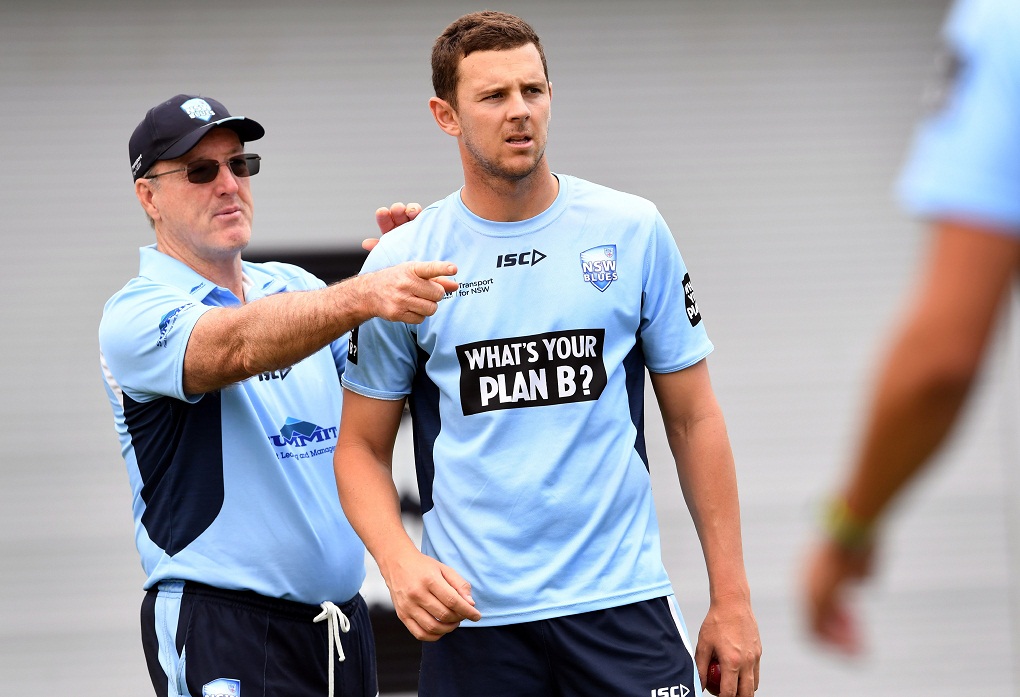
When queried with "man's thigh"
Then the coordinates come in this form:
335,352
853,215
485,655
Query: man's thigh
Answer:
641,649
504,661
203,642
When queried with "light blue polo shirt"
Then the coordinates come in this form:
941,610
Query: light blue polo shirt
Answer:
233,488
526,395
965,161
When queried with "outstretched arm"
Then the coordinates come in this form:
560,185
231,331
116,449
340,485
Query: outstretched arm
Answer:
235,343
923,383
696,433
430,598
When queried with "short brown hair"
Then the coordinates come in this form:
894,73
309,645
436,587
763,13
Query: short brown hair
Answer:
478,31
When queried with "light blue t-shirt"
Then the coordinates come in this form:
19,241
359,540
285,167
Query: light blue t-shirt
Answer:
965,161
526,395
233,488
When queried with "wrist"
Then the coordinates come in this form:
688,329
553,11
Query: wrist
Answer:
398,554
352,301
845,528
728,584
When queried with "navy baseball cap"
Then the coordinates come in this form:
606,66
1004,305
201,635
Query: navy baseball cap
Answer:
174,127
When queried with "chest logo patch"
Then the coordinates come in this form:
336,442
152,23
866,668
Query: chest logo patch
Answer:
299,440
598,266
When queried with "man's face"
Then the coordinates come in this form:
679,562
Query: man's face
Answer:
210,222
503,108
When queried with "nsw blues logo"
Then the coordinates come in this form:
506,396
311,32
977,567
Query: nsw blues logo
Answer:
598,266
198,109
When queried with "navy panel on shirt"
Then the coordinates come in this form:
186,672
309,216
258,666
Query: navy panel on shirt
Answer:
634,366
179,449
424,405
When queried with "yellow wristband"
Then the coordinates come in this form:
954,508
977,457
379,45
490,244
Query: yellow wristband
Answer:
844,527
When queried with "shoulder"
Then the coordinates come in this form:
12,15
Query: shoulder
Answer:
597,196
139,293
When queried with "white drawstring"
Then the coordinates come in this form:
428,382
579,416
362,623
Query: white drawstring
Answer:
336,622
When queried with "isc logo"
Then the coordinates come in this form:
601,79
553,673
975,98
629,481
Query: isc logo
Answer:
522,259
675,691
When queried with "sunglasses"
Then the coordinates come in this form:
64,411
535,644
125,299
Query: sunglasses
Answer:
204,171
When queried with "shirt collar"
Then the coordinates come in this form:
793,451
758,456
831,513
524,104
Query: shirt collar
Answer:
258,283
156,265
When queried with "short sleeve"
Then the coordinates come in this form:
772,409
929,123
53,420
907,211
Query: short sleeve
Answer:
143,336
673,334
965,160
382,355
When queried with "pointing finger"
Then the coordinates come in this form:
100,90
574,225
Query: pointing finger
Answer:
431,269
449,285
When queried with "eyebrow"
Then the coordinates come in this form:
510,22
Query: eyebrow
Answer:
491,87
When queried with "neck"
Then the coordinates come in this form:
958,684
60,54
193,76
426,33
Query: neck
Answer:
506,201
224,271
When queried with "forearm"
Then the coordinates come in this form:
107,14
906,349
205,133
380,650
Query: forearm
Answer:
697,437
233,344
917,400
708,480
934,358
371,503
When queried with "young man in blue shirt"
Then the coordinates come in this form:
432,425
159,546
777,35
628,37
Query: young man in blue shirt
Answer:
525,389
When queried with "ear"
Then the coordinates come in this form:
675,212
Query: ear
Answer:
145,193
445,115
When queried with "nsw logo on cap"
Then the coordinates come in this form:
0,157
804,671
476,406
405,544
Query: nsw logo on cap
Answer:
198,109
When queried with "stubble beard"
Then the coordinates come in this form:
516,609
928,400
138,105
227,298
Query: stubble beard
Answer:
496,173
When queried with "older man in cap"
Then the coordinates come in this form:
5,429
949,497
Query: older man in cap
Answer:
224,378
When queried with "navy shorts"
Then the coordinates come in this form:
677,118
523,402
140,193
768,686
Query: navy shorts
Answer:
205,642
639,649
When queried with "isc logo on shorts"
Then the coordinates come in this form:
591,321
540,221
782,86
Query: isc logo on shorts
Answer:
675,691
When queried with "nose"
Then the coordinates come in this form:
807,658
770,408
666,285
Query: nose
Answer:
517,108
226,182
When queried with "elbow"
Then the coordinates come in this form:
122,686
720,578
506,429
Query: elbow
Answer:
935,363
948,381
241,357
940,375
